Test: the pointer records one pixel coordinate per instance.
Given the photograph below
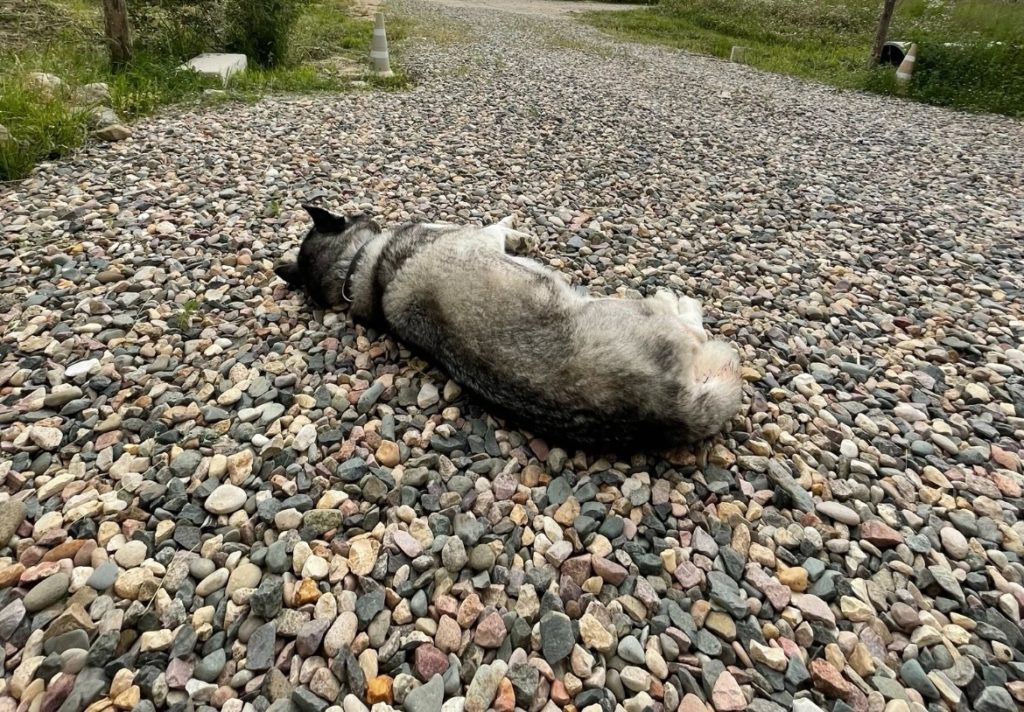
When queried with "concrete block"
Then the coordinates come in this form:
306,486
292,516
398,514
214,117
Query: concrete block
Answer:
217,64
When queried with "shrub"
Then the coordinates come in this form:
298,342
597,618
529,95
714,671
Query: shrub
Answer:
261,29
178,29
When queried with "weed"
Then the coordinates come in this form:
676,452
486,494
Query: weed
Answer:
151,82
41,127
326,29
289,79
399,81
183,318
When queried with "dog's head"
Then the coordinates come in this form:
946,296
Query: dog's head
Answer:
325,255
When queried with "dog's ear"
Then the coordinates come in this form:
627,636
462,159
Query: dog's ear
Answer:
289,272
325,221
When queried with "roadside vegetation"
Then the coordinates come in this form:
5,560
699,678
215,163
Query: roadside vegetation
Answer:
312,45
970,52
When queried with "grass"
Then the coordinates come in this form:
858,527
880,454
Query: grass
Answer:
830,40
326,29
64,37
47,126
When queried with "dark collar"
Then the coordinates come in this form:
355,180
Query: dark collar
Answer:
346,285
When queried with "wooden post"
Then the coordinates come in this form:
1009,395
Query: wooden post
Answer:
119,41
883,31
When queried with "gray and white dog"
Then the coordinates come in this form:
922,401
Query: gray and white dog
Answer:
604,372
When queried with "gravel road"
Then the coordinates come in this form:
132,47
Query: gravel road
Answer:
214,497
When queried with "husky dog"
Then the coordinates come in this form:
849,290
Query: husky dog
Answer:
592,371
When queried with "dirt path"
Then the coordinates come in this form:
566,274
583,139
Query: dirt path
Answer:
536,7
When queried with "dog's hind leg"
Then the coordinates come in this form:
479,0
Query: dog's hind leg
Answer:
687,309
510,240
664,302
692,315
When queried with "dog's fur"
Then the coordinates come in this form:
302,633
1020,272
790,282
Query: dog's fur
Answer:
592,371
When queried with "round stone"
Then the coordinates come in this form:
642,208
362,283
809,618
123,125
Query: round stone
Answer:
131,554
226,499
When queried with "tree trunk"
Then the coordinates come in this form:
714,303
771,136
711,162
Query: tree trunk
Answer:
883,31
119,41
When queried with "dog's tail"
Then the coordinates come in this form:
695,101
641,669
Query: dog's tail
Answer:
716,391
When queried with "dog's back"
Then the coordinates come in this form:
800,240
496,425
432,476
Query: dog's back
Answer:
601,371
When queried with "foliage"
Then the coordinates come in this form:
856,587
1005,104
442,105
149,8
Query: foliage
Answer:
42,126
262,29
68,43
178,29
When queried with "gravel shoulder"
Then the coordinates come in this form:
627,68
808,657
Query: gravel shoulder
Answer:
213,497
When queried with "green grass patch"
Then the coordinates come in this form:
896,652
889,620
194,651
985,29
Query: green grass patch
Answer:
41,126
830,41
152,82
45,127
327,50
326,29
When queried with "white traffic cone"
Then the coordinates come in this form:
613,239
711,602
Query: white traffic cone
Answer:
906,68
379,49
